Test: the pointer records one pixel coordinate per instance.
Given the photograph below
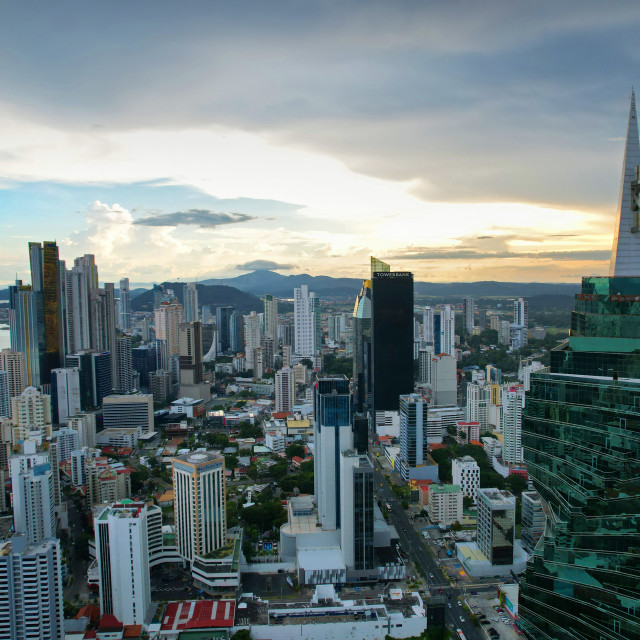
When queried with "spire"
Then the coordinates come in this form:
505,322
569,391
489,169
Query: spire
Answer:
625,254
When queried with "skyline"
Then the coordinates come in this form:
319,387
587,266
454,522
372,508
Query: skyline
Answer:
484,144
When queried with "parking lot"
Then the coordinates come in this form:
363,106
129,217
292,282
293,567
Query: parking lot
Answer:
487,605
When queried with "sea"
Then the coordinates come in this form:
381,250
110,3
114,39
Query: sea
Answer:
5,338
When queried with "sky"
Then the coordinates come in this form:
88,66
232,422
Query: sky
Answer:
461,141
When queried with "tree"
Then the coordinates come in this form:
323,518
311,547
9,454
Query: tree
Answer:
467,502
516,483
248,550
294,450
456,526
138,478
248,430
241,634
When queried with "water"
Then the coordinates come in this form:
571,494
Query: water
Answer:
5,338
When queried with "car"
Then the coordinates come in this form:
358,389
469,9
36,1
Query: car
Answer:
431,576
494,619
449,605
461,619
474,593
459,603
405,531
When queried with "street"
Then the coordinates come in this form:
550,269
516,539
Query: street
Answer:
413,545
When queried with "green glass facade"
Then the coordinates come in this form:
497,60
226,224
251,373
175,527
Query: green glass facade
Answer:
581,440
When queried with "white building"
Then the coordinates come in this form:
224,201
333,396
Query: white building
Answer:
129,411
31,604
188,407
13,363
512,405
445,504
306,318
467,431
190,302
115,437
199,503
31,410
533,520
33,496
443,379
124,317
285,389
444,330
271,318
68,440
85,425
468,314
478,401
275,440
122,552
252,336
525,371
521,319
413,433
466,474
78,467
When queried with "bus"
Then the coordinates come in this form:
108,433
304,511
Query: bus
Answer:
460,634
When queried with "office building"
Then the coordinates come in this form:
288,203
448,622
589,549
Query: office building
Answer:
444,330
392,338
65,394
190,302
103,326
199,503
362,362
468,314
236,333
207,317
445,504
533,520
285,389
31,590
306,316
252,335
513,399
356,511
123,362
579,438
496,525
124,317
162,356
33,496
466,474
143,361
13,362
271,318
133,411
168,317
78,316
442,379
520,326
332,437
122,553
413,436
160,385
223,329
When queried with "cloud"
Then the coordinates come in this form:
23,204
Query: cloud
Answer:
202,218
473,254
264,264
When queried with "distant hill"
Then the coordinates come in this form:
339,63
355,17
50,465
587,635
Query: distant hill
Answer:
213,295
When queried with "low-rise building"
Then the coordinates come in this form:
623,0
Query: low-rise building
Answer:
188,407
445,504
118,437
466,474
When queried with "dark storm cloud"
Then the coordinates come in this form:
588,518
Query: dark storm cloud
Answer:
264,264
198,217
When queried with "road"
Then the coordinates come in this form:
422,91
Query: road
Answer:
412,543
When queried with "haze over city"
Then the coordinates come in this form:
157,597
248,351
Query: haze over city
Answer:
459,141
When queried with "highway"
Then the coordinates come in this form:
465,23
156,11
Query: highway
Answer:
413,545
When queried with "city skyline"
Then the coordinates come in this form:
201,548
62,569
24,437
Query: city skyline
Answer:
461,145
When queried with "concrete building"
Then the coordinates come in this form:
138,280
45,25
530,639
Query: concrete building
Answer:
285,389
168,317
85,425
31,590
13,363
443,379
252,335
160,385
467,431
413,435
5,400
31,411
306,316
65,394
525,371
129,411
190,302
513,401
199,503
188,407
123,363
271,318
118,437
521,321
106,483
445,504
533,520
468,314
466,474
124,317
192,382
496,525
67,440
478,401
122,553
444,330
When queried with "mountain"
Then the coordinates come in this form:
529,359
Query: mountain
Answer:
213,295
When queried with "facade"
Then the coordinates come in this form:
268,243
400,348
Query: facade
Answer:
413,432
362,362
31,412
143,361
445,503
285,389
168,317
129,411
271,318
468,314
67,440
123,362
236,333
223,328
467,431
31,590
513,400
392,338
188,407
122,553
306,316
496,525
190,302
478,401
252,335
444,330
124,317
199,504
160,385
533,520
65,394
466,474
104,483
5,404
13,363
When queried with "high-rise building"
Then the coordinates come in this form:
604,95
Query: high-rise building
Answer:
306,315
33,496
478,401
413,432
31,411
466,474
190,302
236,332
445,504
143,360
124,323
285,389
199,503
392,338
333,436
206,314
268,356
533,520
68,440
13,363
168,317
5,400
65,394
123,362
496,525
133,411
444,330
252,335
31,590
579,431
513,400
26,324
122,553
192,382
468,314
223,328
160,385
271,318
362,379
85,425
519,335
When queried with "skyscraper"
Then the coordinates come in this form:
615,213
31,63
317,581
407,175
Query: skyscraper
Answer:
13,363
444,330
413,432
512,403
392,338
65,394
306,316
236,332
285,389
580,432
167,318
124,365
520,327
362,348
496,525
252,334
271,318
124,323
199,504
190,302
223,328
468,314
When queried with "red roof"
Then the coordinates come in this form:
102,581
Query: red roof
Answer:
90,634
280,415
478,444
89,611
109,622
132,631
437,445
296,459
198,614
